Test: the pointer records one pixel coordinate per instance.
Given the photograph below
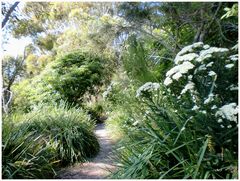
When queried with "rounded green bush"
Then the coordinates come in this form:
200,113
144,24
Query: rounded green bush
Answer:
76,73
48,137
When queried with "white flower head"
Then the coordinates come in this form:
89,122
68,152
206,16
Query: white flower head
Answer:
190,86
186,57
204,112
212,73
206,46
228,112
210,64
147,87
177,72
195,108
229,66
234,58
190,77
168,81
209,99
190,48
233,87
177,76
229,126
214,107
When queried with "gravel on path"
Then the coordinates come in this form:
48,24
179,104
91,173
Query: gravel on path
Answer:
99,167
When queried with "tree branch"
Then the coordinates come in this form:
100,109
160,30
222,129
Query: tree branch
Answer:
7,16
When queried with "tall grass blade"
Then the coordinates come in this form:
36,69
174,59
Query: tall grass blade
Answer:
201,158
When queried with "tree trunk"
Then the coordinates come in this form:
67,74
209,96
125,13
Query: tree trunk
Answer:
7,16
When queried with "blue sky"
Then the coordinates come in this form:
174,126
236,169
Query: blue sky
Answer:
15,46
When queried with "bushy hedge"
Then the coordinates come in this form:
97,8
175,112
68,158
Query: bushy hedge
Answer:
36,144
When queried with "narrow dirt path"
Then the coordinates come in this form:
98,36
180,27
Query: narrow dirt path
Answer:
99,167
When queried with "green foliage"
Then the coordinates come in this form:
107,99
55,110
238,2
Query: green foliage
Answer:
22,96
77,73
135,62
31,92
25,27
43,60
47,42
35,64
36,144
182,123
13,69
24,154
142,63
71,131
178,132
32,64
68,78
120,103
95,111
116,124
231,11
164,143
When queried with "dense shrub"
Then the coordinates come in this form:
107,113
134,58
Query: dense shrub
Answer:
22,100
45,139
75,74
30,92
67,78
187,129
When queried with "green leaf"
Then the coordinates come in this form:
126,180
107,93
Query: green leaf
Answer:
201,157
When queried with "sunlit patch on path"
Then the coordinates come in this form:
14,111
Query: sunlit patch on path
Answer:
99,167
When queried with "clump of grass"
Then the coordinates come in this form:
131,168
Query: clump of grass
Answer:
71,131
26,155
36,144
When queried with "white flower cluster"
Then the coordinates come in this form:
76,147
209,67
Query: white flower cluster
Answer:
177,72
234,58
147,87
233,87
228,112
187,58
207,53
190,86
188,49
212,73
209,99
195,108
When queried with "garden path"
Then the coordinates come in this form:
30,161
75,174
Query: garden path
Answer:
97,168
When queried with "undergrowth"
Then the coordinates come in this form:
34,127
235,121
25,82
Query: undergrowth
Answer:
38,143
